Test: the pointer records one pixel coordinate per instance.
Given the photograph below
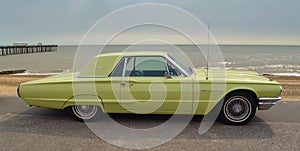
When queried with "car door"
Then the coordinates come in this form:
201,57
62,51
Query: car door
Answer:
149,85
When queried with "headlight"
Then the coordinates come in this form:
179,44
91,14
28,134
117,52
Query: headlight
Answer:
280,90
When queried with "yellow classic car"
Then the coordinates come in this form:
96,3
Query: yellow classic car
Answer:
152,83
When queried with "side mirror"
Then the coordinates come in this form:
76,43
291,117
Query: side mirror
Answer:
167,75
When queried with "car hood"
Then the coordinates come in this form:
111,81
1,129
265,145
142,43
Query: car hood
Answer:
234,76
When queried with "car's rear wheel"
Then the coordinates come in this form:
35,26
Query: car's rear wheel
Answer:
86,112
238,109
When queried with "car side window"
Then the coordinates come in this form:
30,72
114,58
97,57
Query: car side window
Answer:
118,71
173,72
146,66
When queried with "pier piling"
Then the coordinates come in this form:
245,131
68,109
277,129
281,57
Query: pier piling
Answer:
12,50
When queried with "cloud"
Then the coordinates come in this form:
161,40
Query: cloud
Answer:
230,20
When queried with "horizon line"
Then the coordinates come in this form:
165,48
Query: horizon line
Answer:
120,44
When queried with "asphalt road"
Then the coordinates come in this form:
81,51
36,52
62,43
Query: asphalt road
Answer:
25,128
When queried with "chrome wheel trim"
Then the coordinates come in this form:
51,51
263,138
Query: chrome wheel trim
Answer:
237,109
85,112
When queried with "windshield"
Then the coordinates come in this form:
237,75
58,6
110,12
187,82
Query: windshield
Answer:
181,65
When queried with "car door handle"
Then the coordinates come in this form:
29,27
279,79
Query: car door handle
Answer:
126,84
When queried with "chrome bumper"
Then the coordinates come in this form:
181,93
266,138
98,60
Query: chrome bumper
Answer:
267,103
18,90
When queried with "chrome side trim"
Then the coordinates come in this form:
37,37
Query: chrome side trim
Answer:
91,76
266,103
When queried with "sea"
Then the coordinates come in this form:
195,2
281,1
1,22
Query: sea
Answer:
264,59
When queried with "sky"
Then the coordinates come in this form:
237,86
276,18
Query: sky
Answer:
65,22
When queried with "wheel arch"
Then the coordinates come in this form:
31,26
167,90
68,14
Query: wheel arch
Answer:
248,91
227,119
84,99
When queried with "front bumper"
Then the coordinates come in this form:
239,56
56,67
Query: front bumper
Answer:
267,103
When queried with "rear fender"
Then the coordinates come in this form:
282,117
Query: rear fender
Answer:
84,99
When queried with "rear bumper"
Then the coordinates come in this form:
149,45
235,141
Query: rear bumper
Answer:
18,91
267,103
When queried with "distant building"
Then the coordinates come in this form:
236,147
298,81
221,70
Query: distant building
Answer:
39,44
20,44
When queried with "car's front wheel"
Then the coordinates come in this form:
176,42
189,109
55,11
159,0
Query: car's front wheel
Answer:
238,109
86,112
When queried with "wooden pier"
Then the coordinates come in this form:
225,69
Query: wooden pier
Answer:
12,50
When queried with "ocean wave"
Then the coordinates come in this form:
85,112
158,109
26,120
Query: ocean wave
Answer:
287,74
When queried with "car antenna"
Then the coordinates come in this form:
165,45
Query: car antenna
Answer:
208,36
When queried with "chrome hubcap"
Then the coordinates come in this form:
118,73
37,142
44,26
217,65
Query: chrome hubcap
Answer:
85,111
237,109
84,107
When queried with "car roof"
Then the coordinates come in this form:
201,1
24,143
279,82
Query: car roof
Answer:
135,53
